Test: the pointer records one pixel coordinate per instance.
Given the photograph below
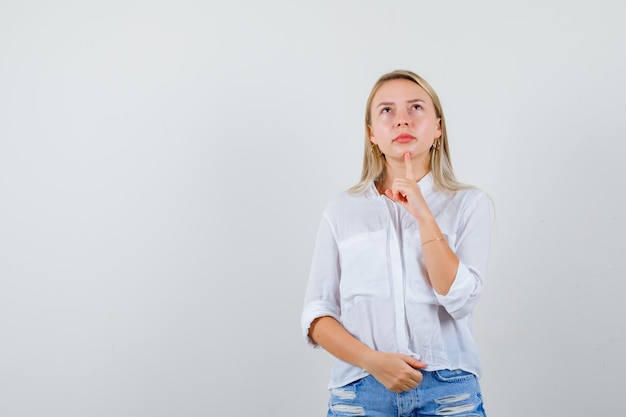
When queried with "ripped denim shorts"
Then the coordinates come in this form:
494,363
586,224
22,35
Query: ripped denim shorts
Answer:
441,393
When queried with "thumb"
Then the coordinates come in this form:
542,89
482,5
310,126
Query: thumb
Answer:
415,363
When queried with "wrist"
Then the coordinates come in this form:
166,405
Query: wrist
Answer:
366,358
435,239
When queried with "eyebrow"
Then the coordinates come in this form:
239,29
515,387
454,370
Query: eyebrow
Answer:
390,103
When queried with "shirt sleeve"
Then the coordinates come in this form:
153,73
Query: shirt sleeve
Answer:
322,293
473,242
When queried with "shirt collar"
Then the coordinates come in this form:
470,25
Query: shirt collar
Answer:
426,183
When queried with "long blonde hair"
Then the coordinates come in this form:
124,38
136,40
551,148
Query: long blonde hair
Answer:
374,160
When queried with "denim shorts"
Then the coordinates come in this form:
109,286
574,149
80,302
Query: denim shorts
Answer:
441,393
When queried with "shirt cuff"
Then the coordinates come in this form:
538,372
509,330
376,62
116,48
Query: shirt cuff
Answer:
458,302
313,311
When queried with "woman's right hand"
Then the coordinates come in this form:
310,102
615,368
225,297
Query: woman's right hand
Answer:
396,371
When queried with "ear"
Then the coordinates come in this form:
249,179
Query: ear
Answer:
438,131
372,137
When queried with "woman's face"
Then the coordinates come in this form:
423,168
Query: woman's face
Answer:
403,119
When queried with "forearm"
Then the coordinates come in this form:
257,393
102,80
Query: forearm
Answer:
441,262
398,372
336,340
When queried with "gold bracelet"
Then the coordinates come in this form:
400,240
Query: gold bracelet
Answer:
434,240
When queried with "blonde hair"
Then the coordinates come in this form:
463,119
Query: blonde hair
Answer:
374,160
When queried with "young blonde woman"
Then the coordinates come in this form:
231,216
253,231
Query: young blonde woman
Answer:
398,266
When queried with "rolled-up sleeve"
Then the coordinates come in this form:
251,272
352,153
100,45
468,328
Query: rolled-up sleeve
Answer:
472,247
322,296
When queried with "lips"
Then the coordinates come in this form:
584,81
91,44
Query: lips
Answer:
404,138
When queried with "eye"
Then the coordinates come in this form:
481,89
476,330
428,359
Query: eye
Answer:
385,110
417,107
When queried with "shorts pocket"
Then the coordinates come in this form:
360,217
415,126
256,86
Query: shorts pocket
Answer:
456,375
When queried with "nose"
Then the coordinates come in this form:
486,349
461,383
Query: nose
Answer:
402,119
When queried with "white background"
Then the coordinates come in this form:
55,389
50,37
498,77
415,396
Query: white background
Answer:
164,166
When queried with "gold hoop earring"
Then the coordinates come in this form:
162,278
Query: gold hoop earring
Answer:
375,150
435,144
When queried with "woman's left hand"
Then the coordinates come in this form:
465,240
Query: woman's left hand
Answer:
406,191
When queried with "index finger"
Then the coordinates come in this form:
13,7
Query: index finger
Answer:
408,163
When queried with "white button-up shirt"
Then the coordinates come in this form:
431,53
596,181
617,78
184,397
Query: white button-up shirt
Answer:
368,272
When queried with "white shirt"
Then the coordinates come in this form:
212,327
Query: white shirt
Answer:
368,272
